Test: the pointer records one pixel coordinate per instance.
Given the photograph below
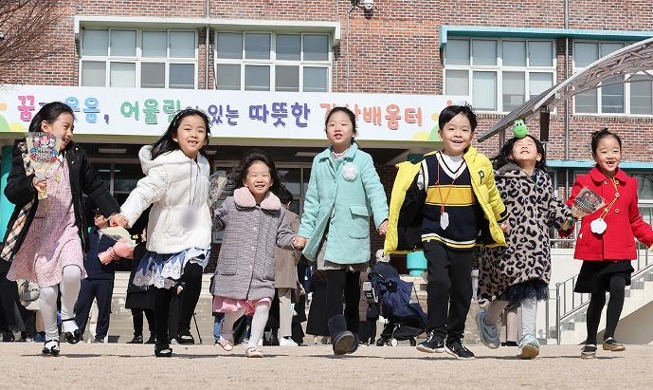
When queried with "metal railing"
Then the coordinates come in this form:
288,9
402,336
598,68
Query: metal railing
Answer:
567,302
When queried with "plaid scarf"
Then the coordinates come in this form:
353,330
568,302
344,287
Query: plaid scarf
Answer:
21,219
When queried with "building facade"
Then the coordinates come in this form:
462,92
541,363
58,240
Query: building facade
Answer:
496,54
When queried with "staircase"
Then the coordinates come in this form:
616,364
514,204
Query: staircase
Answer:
570,309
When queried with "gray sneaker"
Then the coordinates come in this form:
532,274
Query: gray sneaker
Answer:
489,333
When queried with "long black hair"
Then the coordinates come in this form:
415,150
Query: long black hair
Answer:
503,157
254,155
167,144
49,113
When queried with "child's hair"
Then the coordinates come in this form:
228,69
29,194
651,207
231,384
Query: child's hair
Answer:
49,113
347,111
251,157
449,112
503,157
285,195
167,144
599,135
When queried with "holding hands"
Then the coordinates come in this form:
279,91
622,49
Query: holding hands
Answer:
118,220
383,228
299,242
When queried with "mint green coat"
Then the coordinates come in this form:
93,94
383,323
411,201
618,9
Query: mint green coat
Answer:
342,195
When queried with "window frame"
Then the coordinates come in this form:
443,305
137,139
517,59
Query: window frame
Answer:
627,96
498,69
138,59
272,61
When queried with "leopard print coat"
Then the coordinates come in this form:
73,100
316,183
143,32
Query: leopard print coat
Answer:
532,209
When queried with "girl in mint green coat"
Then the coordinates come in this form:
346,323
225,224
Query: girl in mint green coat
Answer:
344,192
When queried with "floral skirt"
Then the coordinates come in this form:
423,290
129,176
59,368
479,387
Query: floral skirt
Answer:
231,305
165,270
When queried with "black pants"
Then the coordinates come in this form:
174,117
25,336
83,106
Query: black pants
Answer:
339,283
616,288
449,289
102,290
162,299
137,318
192,279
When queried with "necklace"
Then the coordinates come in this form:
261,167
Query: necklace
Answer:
444,216
599,225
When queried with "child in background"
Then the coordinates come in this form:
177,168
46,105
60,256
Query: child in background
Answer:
344,191
605,241
254,224
462,209
99,280
519,274
179,227
46,238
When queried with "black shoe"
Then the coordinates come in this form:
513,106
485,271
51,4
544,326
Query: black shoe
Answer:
136,340
184,337
456,349
51,348
151,340
354,345
8,336
162,350
73,337
433,344
588,351
274,340
98,340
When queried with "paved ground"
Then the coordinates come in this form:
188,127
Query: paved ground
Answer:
123,366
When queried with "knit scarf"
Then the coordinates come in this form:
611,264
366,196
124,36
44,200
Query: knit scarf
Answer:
21,219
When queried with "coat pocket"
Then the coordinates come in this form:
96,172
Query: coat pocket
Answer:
360,218
227,266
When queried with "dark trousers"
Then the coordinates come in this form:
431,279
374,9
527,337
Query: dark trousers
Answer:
449,289
102,290
162,299
137,318
192,280
343,283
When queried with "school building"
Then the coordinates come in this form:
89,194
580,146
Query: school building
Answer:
267,72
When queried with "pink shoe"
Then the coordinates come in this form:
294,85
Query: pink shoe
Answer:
253,352
225,344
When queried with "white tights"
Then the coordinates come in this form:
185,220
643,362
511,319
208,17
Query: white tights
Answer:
70,285
259,320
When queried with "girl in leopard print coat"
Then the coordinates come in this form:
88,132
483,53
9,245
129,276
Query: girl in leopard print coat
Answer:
519,274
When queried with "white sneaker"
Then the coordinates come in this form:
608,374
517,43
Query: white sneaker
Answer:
287,342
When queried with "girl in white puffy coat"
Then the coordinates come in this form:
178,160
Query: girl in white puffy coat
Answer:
179,228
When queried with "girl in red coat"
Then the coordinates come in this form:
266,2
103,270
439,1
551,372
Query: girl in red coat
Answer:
606,242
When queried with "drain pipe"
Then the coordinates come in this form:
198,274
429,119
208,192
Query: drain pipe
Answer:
207,42
567,105
353,5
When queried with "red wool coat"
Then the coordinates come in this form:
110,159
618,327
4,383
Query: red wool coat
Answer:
624,220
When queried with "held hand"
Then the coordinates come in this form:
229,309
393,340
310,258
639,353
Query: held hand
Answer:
299,242
118,220
383,228
41,187
504,227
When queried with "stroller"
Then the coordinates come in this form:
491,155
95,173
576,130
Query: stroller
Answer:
406,320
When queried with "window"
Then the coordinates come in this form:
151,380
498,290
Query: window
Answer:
614,96
255,61
498,74
139,58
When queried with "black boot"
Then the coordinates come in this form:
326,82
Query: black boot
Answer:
341,339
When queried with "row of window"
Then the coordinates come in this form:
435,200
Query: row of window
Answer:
499,74
169,59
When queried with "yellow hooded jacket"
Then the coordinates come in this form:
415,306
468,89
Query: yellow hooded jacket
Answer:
407,201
